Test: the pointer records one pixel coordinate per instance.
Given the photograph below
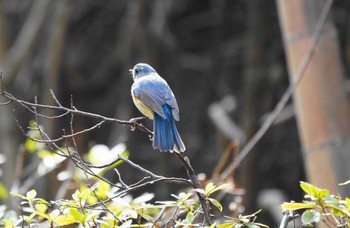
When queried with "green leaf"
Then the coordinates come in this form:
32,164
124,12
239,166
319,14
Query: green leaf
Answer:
309,189
261,225
322,193
43,215
41,207
189,218
213,225
184,196
121,202
226,225
76,215
96,185
146,217
347,200
145,197
31,195
41,201
126,224
4,194
7,223
30,145
19,195
104,224
208,188
253,215
345,183
297,206
216,203
81,196
64,220
220,187
251,225
201,191
29,218
76,195
54,214
310,216
167,203
337,211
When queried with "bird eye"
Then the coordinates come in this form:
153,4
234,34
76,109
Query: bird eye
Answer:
136,71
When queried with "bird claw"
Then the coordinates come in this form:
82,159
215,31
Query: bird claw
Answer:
133,121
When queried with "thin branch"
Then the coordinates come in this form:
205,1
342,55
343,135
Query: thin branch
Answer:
155,176
288,216
26,39
30,106
5,103
99,199
194,179
287,94
120,179
78,162
70,123
72,135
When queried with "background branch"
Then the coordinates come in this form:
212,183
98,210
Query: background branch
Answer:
287,94
25,40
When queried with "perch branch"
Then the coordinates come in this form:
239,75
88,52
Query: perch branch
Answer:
193,177
73,110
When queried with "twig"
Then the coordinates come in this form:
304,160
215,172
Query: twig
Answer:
65,136
193,177
168,179
160,215
30,106
288,216
99,199
120,179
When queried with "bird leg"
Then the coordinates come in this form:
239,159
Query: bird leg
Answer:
134,121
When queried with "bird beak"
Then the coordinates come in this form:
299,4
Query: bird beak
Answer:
131,72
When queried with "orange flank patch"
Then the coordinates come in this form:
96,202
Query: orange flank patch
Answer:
142,107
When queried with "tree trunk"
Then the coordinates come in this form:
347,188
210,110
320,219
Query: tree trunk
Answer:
254,94
320,101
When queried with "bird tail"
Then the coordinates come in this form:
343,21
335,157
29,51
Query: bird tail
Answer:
165,134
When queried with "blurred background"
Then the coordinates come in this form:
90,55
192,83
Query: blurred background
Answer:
227,62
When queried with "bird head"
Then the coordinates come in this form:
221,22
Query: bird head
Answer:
140,70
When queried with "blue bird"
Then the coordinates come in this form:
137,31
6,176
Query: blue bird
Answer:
154,98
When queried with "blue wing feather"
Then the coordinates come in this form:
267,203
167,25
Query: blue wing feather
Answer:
155,92
165,134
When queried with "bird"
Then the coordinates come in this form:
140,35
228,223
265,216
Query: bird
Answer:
154,98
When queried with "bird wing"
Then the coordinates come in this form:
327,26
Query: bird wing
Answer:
155,92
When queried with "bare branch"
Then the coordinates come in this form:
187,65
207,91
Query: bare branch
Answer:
288,216
26,38
120,179
5,103
194,179
32,107
63,137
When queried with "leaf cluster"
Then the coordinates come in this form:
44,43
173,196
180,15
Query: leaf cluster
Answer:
98,206
321,206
